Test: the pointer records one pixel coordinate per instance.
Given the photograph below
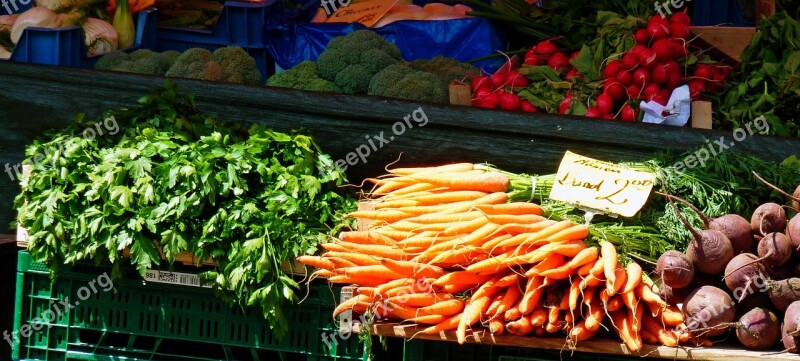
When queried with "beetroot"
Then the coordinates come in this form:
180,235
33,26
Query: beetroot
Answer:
710,250
758,329
708,311
791,327
742,273
673,296
796,198
782,272
775,249
675,268
783,293
733,226
793,232
768,218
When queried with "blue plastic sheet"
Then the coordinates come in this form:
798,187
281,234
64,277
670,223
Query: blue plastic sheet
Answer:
292,41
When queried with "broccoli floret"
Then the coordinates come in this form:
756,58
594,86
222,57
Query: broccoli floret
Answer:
141,61
112,60
303,76
400,81
229,64
446,69
238,66
168,58
360,54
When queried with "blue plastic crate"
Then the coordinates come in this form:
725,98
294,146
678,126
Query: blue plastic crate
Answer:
239,24
64,47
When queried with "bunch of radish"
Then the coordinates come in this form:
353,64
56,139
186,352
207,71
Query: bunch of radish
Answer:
651,71
741,275
497,91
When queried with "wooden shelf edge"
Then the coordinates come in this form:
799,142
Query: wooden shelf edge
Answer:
598,346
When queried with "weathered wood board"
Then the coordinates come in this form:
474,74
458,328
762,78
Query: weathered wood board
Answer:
37,98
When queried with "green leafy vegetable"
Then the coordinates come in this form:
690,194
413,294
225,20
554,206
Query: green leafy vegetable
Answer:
173,180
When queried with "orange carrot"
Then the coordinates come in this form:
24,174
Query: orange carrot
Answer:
412,269
671,316
322,273
496,326
646,294
634,276
436,218
486,182
465,227
340,263
433,199
622,324
346,305
512,219
316,262
538,317
446,325
361,280
386,215
533,293
379,271
387,186
565,270
588,295
509,299
333,247
609,254
357,259
586,269
581,332
445,308
459,256
515,208
365,237
620,276
491,198
495,304
448,168
378,251
461,277
614,303
529,228
418,187
472,314
565,248
420,299
382,289
512,314
576,232
553,261
543,234
594,318
574,295
520,327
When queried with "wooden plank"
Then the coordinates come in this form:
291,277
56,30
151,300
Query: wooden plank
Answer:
727,39
605,346
7,238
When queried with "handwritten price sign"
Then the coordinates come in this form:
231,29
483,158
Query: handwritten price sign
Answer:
601,186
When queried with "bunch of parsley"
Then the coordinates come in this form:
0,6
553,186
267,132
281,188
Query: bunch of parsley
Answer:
174,179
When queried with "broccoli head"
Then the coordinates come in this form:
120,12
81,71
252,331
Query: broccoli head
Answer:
351,60
229,64
446,69
303,76
403,82
141,61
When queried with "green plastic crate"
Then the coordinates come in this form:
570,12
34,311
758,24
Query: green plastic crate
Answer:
426,350
164,322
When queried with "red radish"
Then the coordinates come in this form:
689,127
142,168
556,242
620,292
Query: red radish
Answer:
535,60
593,112
608,117
612,69
624,77
526,106
675,80
573,74
628,114
558,61
658,29
565,105
679,47
515,80
648,59
665,93
574,55
629,61
637,50
634,91
498,80
545,48
614,88
696,87
658,99
605,103
679,30
681,18
489,101
660,74
641,77
482,92
480,82
650,90
703,71
508,101
663,50
641,36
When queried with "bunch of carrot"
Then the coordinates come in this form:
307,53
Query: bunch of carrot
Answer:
442,248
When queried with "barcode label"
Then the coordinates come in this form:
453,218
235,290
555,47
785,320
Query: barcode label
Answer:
175,278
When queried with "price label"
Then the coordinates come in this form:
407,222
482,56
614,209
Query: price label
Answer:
601,186
175,278
367,13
